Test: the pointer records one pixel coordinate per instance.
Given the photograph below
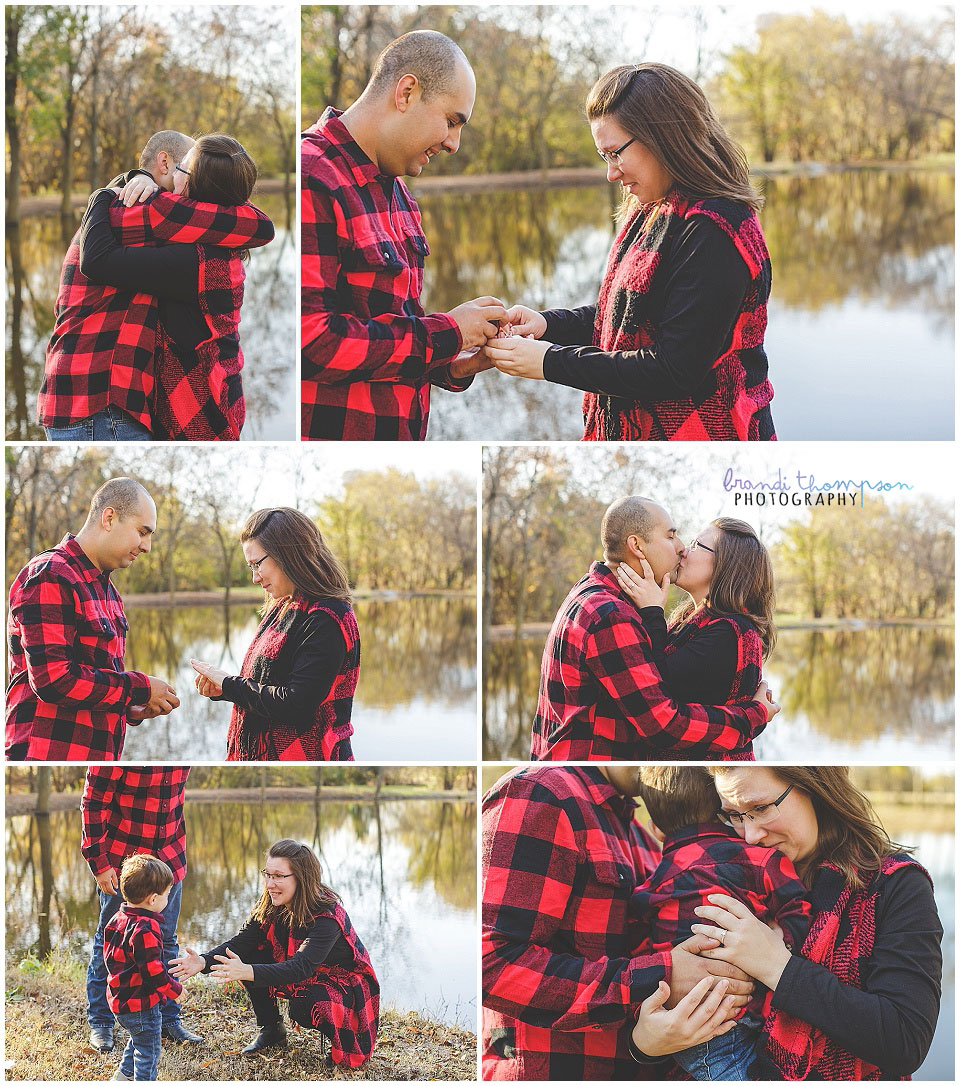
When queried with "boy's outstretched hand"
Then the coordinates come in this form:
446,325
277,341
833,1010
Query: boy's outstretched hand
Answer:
188,965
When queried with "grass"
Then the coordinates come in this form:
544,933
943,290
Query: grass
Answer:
46,1037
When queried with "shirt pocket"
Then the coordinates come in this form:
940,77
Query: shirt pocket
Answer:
377,277
601,916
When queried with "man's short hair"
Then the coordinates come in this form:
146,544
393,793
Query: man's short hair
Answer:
176,144
122,495
677,796
142,875
628,516
429,55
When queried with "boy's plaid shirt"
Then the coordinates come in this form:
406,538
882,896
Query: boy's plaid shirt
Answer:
129,809
369,352
711,859
68,695
602,698
104,340
137,978
561,857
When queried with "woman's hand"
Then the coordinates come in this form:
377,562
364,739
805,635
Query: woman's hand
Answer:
706,1011
188,965
230,967
526,321
765,698
642,590
209,681
745,941
138,188
518,357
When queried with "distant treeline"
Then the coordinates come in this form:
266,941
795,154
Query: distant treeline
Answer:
799,87
390,529
86,87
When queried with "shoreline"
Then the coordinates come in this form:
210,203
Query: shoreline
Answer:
212,596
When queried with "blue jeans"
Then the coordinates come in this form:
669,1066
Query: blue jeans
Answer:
98,1011
725,1058
111,424
142,1054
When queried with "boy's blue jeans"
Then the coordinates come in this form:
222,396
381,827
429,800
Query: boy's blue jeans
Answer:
98,1011
726,1058
142,1054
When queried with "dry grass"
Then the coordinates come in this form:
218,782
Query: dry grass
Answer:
46,1038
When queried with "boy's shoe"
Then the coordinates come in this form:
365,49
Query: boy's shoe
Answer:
274,1036
119,1076
178,1032
101,1038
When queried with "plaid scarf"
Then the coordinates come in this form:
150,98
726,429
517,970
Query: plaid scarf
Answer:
840,938
344,1003
199,394
253,738
734,404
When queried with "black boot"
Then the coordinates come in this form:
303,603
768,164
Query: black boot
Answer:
272,1036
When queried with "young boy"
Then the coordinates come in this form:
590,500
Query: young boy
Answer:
137,979
701,856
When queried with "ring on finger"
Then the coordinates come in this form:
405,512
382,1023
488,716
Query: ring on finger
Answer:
723,937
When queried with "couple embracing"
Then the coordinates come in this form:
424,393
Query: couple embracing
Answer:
145,344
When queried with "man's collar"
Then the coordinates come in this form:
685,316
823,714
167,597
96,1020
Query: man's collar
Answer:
603,793
72,549
362,167
602,572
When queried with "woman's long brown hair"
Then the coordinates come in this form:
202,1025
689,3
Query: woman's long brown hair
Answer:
311,896
742,582
294,542
849,833
670,115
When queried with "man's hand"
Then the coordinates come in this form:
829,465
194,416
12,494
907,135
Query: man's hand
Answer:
475,320
519,357
765,698
107,881
527,322
706,1011
163,699
138,188
467,363
687,970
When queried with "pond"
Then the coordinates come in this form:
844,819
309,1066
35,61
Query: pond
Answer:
405,869
863,280
416,699
876,695
34,254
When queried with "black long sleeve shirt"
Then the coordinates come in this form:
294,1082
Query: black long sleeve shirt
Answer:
317,651
323,944
701,671
169,272
694,308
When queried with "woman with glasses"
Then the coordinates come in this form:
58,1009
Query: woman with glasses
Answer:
197,388
298,945
860,998
673,348
713,650
293,698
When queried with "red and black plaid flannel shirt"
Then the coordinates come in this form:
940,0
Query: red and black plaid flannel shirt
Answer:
68,695
130,809
137,978
602,697
104,340
369,352
561,857
711,859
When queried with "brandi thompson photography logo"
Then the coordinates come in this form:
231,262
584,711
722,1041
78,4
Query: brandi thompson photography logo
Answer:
796,487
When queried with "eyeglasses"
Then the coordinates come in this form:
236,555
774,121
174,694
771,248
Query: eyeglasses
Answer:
254,567
759,816
696,545
612,158
179,168
272,876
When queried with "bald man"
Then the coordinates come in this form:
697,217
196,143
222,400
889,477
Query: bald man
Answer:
601,695
369,351
68,698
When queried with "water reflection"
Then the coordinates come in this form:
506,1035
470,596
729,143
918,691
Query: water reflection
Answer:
876,695
863,277
34,253
395,864
416,698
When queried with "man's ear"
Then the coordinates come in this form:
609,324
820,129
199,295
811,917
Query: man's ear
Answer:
407,92
108,518
635,546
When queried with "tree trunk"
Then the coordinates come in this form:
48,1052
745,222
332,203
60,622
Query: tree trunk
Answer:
66,133
11,73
